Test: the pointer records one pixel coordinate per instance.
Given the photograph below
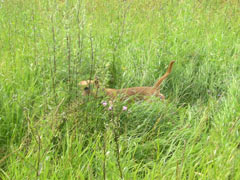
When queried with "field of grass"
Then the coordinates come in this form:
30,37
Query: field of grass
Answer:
49,131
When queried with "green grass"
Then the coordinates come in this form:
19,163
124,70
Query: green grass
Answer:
49,131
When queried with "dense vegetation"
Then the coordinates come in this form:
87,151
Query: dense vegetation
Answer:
49,131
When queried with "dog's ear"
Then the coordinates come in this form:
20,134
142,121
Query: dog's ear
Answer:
96,82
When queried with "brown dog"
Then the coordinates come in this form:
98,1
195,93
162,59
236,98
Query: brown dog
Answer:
142,93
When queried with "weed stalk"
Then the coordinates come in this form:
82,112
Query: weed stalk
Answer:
54,69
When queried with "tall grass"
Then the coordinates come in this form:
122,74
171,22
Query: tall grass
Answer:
49,131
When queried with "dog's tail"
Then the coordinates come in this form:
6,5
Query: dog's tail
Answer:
160,80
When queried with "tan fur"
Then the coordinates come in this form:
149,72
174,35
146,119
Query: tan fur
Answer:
86,83
142,93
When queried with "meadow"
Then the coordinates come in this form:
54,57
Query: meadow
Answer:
48,130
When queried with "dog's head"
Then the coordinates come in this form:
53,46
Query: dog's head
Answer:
89,86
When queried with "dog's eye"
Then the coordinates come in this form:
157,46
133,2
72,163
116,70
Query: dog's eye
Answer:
86,88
